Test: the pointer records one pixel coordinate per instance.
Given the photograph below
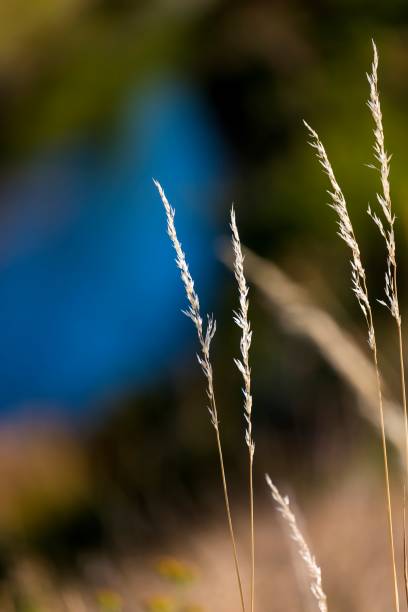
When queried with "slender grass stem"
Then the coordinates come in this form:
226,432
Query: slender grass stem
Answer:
387,483
205,335
404,403
386,228
402,375
404,522
358,275
251,503
229,519
404,394
385,453
242,320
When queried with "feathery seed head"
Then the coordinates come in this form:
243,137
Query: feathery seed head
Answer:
384,198
346,232
314,571
206,335
241,319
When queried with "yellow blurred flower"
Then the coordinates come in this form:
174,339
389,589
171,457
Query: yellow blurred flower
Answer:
109,601
175,570
159,603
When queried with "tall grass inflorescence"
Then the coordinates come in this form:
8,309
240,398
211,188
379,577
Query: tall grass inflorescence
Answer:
241,319
205,336
359,286
309,560
386,229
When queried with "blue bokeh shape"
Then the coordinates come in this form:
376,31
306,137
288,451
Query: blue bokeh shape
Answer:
89,293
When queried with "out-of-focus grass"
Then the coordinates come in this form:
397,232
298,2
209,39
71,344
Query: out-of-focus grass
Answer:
354,558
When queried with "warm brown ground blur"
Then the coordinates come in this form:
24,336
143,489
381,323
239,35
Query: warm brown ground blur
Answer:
191,566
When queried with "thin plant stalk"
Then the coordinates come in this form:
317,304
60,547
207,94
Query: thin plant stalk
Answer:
404,400
391,301
205,335
359,286
251,519
241,319
404,522
305,554
229,518
387,482
403,391
384,200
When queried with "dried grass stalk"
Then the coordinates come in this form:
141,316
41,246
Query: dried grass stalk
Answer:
391,302
205,336
404,523
309,560
384,198
359,286
241,319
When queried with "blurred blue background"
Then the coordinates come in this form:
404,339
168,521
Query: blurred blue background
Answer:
90,300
